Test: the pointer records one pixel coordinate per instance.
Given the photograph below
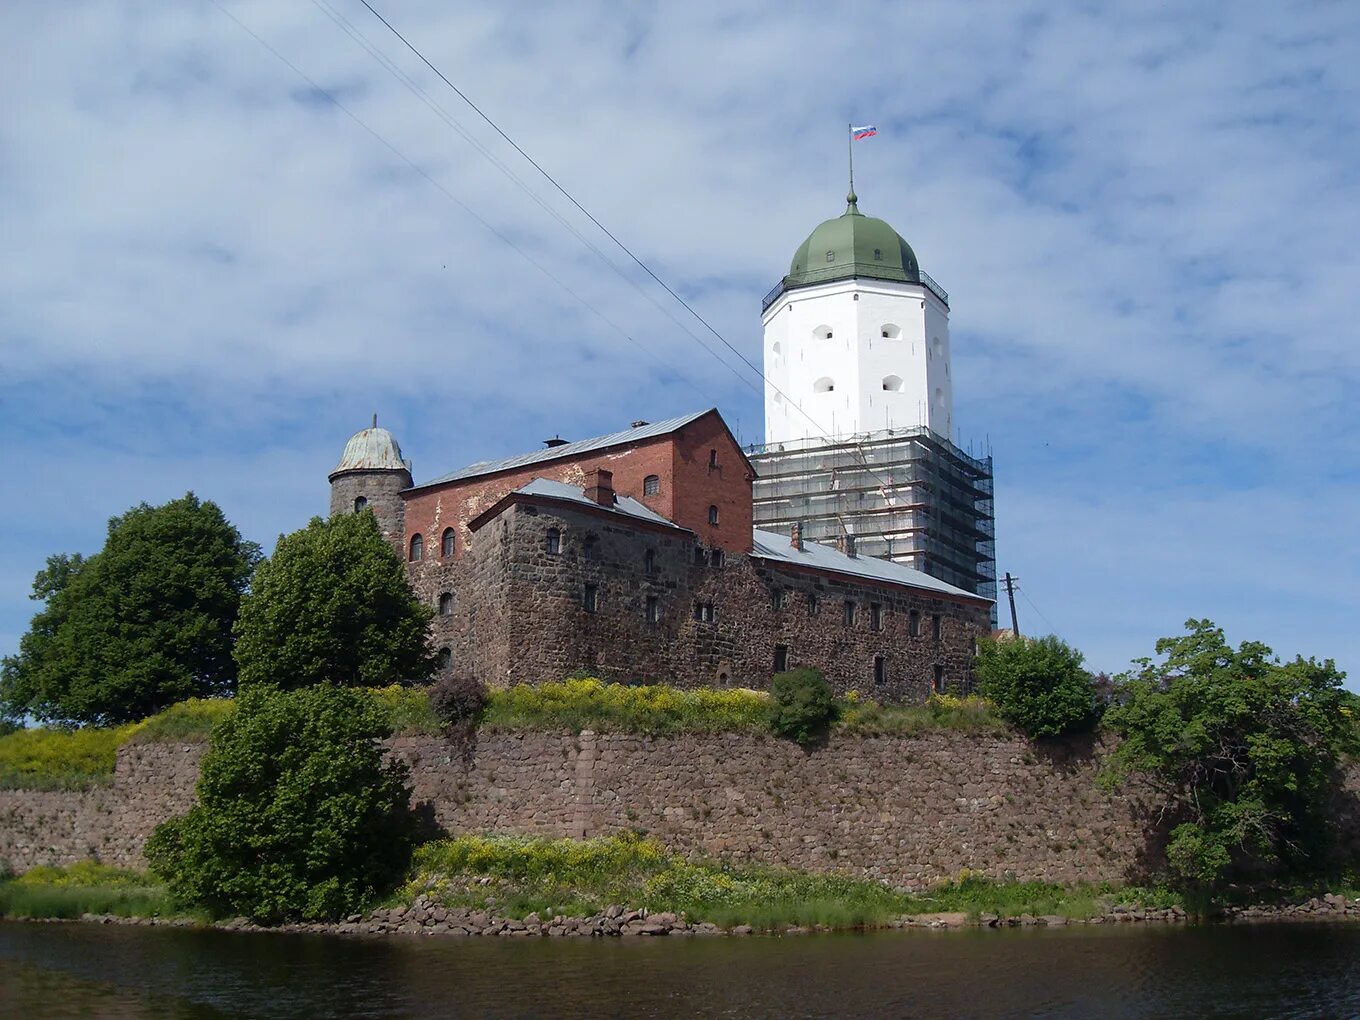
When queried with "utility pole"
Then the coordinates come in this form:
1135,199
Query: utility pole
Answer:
1010,594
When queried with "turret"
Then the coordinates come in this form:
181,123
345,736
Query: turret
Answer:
371,475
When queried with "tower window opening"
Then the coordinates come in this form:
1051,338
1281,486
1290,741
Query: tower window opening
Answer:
892,383
417,549
651,485
831,256
880,671
713,515
360,503
446,603
824,385
590,598
822,333
446,543
712,458
878,254
554,541
889,331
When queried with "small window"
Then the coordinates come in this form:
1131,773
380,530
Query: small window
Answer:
814,604
936,626
712,515
649,561
777,598
890,331
712,458
703,611
848,613
892,383
590,549
445,658
360,502
880,671
446,543
699,557
875,616
824,385
554,541
831,256
653,609
822,333
590,598
417,552
716,558
878,254
914,623
446,604
939,679
651,485
781,658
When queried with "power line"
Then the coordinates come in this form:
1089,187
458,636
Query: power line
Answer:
453,198
1046,620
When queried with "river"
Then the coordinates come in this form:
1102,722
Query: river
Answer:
1276,970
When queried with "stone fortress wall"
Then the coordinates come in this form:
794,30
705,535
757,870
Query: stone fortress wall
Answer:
910,810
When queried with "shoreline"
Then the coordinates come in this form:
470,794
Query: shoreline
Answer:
430,920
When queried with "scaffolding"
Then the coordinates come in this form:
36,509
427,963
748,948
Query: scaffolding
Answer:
907,495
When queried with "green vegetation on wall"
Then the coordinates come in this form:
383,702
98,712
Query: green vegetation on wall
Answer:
1037,684
802,704
333,606
142,624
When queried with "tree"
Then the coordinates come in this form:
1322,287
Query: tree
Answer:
1037,684
298,814
802,704
143,623
1244,748
332,606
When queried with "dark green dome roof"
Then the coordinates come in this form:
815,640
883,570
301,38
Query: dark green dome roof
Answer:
853,245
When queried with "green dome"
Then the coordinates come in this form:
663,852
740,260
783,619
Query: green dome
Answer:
853,245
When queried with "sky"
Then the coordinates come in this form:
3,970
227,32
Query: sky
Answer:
230,234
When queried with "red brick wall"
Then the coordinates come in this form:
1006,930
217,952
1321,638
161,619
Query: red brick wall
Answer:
680,460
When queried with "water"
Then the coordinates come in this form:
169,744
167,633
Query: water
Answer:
75,970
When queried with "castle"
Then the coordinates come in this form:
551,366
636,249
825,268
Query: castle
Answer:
634,555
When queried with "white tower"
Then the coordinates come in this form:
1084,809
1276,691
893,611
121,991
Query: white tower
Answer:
856,338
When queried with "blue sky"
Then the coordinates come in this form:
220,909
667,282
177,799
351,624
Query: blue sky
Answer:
1145,216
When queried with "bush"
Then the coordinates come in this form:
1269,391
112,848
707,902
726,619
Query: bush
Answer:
802,704
458,699
298,815
1037,684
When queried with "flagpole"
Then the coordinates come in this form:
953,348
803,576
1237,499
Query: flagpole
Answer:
850,148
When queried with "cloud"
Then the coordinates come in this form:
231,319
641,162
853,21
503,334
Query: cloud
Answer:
210,274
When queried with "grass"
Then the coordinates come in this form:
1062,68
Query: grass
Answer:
514,876
86,888
64,759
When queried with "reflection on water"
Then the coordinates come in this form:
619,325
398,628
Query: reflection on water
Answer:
70,970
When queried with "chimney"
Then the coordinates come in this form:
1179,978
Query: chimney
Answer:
554,442
640,423
600,486
796,535
846,543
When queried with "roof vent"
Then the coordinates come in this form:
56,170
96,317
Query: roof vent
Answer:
555,442
639,423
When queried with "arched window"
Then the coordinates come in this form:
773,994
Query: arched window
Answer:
823,385
777,349
554,541
651,485
417,552
446,543
446,603
649,561
359,503
822,333
713,515
890,332
892,383
445,658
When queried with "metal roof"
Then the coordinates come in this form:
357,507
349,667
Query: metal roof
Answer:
650,431
625,505
372,449
771,546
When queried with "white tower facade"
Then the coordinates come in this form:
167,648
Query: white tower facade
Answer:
856,338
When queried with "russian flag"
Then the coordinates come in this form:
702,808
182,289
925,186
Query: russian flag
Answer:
860,133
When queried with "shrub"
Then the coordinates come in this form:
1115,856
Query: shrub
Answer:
1037,684
458,699
802,704
298,815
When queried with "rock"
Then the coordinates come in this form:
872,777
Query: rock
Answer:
1053,920
741,929
951,919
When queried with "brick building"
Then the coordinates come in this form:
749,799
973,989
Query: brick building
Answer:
633,555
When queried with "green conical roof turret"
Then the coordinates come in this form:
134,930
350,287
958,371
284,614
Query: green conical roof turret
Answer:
853,245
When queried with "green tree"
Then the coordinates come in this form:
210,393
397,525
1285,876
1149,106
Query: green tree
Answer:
802,704
1037,684
1245,749
298,816
143,623
332,606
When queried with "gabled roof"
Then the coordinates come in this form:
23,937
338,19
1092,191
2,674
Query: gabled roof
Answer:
546,489
650,431
771,546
